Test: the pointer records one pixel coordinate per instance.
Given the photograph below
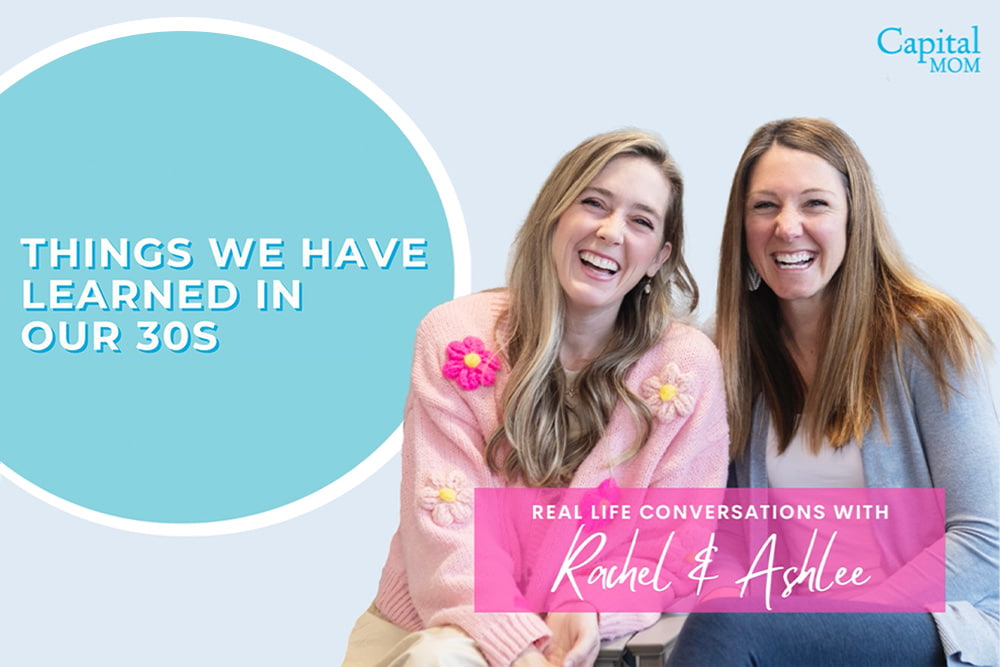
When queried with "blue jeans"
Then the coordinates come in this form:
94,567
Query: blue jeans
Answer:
807,639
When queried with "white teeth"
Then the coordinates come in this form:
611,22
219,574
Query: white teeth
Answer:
599,262
794,258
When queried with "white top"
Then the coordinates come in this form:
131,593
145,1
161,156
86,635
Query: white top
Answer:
798,467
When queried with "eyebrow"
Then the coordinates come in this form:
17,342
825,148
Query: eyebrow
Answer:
639,205
804,192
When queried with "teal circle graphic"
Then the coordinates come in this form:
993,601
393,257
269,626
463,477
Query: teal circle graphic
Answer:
214,254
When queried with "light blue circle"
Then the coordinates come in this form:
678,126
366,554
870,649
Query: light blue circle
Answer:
199,135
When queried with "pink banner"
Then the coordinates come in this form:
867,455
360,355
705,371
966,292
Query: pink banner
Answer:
681,550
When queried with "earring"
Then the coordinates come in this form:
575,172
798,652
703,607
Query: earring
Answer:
753,279
648,287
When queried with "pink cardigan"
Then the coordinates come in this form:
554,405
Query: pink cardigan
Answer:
451,412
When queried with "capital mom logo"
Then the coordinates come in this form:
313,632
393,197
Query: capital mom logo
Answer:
944,53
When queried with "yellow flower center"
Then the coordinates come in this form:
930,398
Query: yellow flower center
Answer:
472,359
667,392
447,495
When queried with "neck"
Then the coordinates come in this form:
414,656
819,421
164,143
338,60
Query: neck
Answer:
802,329
584,339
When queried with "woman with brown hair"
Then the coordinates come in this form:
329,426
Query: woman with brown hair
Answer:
843,369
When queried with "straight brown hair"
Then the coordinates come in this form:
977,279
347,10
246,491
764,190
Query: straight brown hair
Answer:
876,304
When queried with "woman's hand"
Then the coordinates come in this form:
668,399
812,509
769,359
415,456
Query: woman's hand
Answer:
531,657
576,639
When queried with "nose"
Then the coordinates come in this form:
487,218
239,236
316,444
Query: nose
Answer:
788,224
612,229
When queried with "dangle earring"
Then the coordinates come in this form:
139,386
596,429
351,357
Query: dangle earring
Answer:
648,287
753,279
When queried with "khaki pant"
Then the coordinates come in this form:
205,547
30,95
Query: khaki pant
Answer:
375,642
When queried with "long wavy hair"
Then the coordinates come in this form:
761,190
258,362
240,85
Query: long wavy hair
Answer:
533,444
876,304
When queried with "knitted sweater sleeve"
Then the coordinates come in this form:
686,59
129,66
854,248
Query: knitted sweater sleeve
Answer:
961,441
689,450
447,424
698,451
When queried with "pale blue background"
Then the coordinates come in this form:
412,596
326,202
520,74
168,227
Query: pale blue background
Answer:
200,135
501,91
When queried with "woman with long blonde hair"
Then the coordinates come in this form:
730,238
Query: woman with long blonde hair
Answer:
843,369
555,381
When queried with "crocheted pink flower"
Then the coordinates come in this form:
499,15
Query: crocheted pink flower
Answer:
668,394
447,497
470,364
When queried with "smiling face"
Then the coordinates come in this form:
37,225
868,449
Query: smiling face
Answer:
796,224
611,237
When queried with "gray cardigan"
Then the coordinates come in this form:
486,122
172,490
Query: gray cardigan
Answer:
954,447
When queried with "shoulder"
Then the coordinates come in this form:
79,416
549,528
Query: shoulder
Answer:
927,381
685,353
919,359
687,345
474,315
456,344
938,333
